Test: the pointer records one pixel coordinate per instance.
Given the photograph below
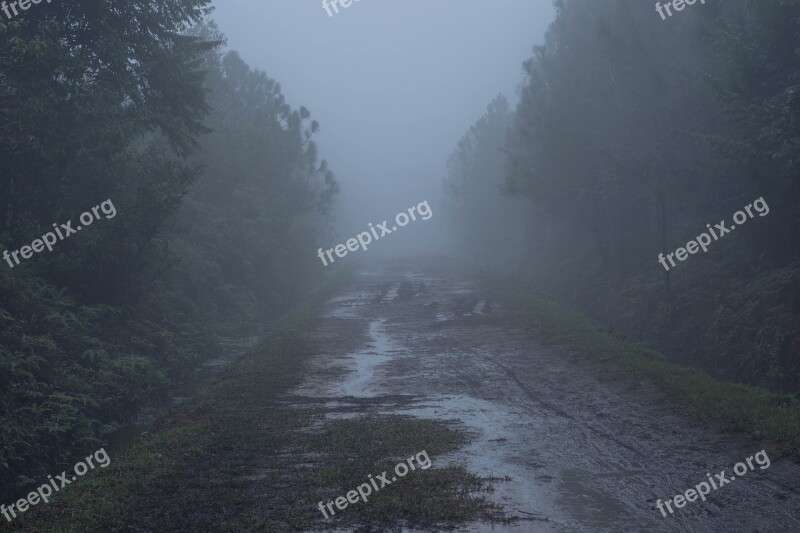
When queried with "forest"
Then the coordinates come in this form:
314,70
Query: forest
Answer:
218,187
578,327
677,127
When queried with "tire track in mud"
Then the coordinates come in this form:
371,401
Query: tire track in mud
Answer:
564,414
586,448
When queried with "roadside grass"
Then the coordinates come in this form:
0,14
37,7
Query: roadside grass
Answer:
366,446
422,497
172,478
733,407
235,457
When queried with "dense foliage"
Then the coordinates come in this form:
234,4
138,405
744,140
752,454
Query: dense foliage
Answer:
219,196
631,135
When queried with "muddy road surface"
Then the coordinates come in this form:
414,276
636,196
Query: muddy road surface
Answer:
584,447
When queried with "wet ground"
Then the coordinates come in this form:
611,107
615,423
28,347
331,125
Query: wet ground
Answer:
584,447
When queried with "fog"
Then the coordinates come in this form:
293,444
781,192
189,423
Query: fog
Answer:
372,265
394,85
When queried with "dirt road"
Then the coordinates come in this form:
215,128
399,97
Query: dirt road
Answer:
586,448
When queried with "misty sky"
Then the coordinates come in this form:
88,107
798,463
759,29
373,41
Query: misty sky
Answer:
394,84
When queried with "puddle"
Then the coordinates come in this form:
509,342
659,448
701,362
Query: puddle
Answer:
348,306
391,295
463,288
367,361
496,450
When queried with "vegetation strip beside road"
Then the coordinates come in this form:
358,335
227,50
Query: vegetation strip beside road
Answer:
234,458
732,407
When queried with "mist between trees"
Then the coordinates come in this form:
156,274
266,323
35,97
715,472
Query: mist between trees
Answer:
629,136
222,190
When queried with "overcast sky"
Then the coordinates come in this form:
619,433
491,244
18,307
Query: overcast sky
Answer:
394,84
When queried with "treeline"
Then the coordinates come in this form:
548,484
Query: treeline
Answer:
631,135
220,196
